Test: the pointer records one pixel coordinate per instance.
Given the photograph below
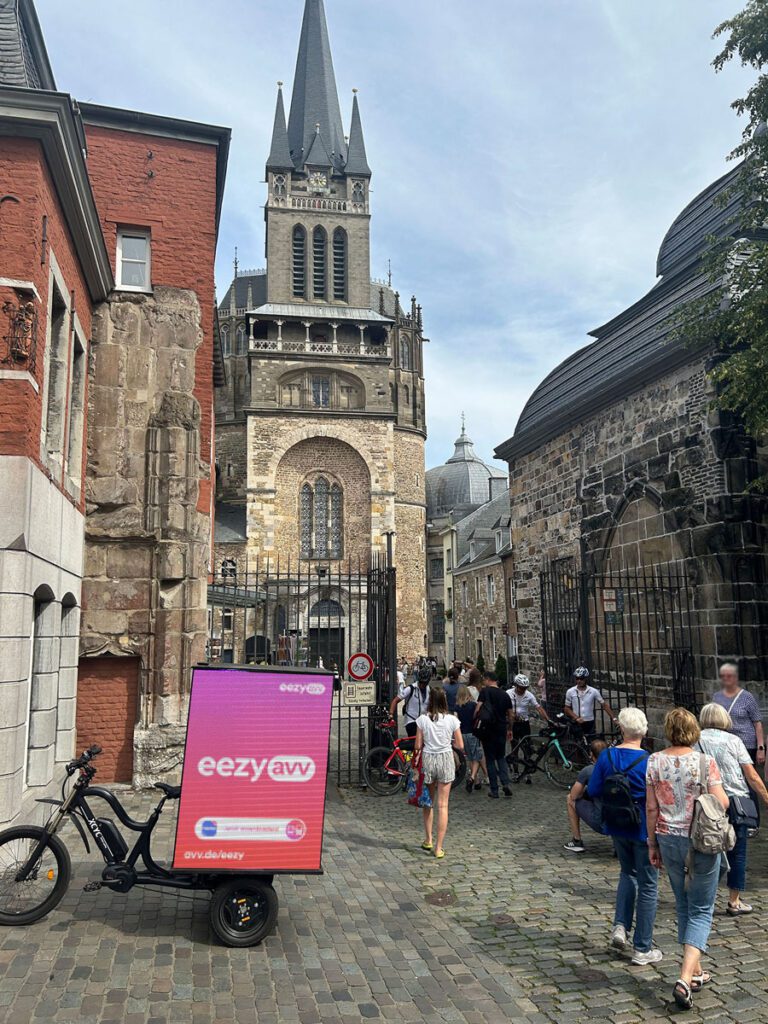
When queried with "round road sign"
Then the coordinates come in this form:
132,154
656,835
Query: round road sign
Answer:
360,667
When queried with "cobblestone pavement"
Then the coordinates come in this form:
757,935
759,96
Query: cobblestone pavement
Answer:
508,927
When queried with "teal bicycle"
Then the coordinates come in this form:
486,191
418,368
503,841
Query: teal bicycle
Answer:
558,758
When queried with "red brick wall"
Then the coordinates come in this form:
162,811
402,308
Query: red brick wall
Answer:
24,174
107,709
178,204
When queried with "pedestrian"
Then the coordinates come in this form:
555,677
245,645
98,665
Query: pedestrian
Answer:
415,700
619,779
493,722
474,682
580,805
437,733
524,704
744,711
451,687
466,667
675,777
581,701
740,782
465,710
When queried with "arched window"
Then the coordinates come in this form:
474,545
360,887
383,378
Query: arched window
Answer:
299,262
340,264
321,519
240,346
405,353
319,246
229,569
406,396
226,346
279,184
358,193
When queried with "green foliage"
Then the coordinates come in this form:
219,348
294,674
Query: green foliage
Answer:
733,316
480,666
501,669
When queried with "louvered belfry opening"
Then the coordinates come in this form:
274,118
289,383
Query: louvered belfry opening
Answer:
299,262
340,265
319,247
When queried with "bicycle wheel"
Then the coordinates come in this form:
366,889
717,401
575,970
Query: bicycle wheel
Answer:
382,780
26,902
243,911
461,768
562,769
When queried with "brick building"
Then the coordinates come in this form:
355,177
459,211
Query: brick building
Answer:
108,223
321,426
630,494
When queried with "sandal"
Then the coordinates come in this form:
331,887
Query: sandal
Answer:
427,846
736,909
682,995
698,981
439,856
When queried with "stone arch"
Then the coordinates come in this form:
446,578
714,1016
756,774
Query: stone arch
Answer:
321,432
331,459
637,533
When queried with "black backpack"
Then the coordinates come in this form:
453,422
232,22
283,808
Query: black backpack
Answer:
620,812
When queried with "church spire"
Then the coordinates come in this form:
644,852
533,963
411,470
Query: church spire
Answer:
280,153
357,161
315,99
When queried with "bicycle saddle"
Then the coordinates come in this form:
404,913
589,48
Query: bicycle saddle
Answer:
172,792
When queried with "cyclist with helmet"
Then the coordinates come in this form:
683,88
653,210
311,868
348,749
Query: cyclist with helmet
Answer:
524,704
414,698
581,701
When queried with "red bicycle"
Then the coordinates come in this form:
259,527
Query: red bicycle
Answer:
385,769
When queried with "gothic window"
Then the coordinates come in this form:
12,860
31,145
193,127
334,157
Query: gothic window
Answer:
240,346
299,262
226,347
358,192
279,184
321,392
292,395
321,519
405,353
340,264
319,245
406,396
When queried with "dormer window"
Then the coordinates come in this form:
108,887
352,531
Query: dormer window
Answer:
472,551
499,541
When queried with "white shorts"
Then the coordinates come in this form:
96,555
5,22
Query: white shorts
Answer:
438,767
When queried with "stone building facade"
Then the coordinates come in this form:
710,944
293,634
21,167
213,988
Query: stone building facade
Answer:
107,239
621,460
321,425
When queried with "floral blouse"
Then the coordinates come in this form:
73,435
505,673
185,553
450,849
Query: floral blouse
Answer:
675,784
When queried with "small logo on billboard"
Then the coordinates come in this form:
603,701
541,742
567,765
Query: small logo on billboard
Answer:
284,768
315,689
295,829
208,829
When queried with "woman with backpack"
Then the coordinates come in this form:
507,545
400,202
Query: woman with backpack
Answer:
677,777
618,781
742,784
437,732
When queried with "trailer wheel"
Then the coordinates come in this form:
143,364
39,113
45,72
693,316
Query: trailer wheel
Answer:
243,911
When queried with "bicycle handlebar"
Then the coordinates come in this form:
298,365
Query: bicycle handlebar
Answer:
84,759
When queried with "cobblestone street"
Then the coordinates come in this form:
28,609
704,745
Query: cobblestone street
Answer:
507,927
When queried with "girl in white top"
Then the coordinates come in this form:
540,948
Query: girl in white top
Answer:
437,733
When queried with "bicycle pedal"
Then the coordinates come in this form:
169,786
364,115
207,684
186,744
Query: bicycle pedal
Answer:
92,887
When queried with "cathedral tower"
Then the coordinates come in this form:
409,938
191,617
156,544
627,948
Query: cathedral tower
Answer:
321,428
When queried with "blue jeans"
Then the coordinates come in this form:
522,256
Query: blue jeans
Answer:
638,889
494,748
737,858
696,904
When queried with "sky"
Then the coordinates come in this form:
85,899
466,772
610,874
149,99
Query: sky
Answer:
528,155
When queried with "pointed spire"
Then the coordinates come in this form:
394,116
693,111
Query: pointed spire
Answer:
280,153
464,451
357,161
315,99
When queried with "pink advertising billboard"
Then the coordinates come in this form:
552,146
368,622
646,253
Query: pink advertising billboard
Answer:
255,770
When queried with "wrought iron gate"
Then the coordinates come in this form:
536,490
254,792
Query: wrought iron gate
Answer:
632,628
310,614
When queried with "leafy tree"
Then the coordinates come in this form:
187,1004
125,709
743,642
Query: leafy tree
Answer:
733,315
480,666
501,669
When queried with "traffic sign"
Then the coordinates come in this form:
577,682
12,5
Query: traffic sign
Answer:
360,666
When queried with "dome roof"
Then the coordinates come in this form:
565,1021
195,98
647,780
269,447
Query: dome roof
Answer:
464,481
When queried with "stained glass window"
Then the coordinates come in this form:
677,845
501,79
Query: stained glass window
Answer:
321,392
405,353
306,516
321,518
337,521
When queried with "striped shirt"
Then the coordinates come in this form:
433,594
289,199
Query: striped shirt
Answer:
744,711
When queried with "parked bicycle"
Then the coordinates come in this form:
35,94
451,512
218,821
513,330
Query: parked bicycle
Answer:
559,758
385,769
35,867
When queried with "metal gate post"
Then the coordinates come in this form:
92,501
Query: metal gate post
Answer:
392,621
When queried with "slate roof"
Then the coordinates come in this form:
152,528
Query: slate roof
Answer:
357,161
463,481
279,158
316,312
315,99
482,523
229,524
636,347
258,285
23,57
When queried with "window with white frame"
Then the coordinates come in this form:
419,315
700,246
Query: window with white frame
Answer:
490,586
512,594
449,559
477,588
464,594
499,541
471,551
133,260
492,641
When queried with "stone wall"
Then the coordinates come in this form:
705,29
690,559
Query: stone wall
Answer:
475,619
410,544
659,476
147,544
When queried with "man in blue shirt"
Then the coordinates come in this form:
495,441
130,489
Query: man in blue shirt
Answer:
638,881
